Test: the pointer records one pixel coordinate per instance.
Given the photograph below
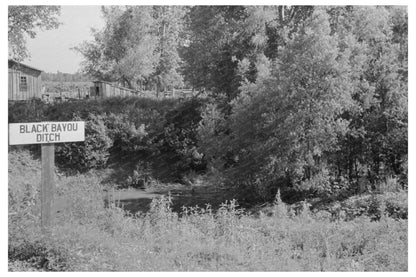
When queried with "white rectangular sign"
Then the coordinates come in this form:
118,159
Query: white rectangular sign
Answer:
46,132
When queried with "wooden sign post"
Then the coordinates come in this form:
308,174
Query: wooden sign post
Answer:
47,188
47,134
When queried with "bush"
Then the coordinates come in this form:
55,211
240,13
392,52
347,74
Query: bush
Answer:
126,137
92,153
23,194
392,204
140,177
396,204
177,143
27,111
159,131
33,256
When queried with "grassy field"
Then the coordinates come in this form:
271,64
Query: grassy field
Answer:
88,237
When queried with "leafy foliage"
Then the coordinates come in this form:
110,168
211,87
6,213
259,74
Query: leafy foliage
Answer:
170,21
318,115
160,132
23,21
310,99
137,47
125,50
92,153
177,144
126,137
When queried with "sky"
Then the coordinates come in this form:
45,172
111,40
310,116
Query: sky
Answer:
50,49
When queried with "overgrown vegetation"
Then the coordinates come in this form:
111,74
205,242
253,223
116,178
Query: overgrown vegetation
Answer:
311,100
304,107
159,132
325,115
88,237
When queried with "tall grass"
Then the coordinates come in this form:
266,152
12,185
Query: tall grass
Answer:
86,236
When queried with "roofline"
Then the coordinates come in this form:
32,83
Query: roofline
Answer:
28,66
98,81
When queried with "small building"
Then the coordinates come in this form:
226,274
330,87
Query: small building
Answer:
102,89
24,81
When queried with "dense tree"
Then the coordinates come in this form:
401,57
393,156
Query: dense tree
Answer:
124,51
220,36
300,104
215,45
330,105
308,98
138,45
170,21
24,22
376,144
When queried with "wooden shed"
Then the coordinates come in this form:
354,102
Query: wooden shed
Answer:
103,89
24,81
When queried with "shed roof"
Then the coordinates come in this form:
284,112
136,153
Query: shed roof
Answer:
111,84
15,63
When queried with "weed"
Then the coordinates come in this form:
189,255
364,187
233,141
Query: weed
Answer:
87,236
